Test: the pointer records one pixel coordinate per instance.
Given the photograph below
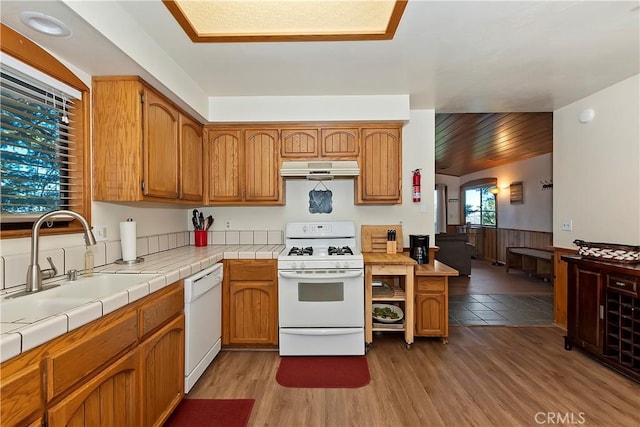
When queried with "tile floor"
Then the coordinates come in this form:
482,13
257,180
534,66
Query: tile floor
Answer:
500,309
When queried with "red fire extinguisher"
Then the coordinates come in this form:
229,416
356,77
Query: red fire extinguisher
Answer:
416,186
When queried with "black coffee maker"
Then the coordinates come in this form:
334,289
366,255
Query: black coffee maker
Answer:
419,248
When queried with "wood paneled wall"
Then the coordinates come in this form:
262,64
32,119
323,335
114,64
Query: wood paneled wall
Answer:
486,238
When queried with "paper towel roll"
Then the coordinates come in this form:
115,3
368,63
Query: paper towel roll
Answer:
128,239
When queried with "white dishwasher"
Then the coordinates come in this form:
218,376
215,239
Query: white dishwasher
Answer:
203,322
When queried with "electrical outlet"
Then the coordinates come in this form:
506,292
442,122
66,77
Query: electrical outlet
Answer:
567,225
227,224
100,232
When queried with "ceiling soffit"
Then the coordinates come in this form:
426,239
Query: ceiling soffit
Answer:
468,143
287,20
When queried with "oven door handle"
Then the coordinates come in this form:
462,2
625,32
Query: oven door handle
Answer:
320,331
347,275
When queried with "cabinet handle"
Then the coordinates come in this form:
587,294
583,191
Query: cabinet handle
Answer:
621,284
601,312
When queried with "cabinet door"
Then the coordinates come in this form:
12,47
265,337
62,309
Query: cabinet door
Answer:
108,399
380,180
21,393
224,165
250,303
191,159
588,310
339,143
117,139
253,313
299,143
431,315
162,372
262,180
160,146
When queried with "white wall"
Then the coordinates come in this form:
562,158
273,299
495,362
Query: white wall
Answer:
597,168
453,197
252,109
536,213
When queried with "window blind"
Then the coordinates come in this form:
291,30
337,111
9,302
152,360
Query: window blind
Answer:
38,147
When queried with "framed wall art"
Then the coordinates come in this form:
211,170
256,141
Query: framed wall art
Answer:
516,193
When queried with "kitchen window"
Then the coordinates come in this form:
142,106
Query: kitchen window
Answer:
42,147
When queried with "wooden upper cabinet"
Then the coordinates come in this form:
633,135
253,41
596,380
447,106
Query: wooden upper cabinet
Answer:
161,147
380,180
299,143
320,143
339,143
262,168
117,139
224,163
243,167
144,147
191,159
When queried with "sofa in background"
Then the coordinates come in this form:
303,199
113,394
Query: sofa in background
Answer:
455,251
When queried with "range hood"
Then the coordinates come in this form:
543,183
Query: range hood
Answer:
320,169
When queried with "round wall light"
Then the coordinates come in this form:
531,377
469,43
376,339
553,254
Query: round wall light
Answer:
45,24
586,115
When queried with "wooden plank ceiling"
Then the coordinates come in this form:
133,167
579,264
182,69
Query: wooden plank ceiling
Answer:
467,143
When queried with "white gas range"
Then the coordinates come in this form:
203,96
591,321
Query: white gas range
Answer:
321,290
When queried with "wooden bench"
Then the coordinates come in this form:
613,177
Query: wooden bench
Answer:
538,262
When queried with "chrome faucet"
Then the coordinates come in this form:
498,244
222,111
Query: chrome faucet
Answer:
34,274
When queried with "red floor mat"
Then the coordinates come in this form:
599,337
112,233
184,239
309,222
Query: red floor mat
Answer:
211,413
323,372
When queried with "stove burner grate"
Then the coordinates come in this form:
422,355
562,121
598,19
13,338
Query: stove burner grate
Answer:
344,250
301,251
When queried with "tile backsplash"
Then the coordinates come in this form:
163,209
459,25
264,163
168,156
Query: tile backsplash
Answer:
13,268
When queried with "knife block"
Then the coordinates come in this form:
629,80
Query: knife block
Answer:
392,246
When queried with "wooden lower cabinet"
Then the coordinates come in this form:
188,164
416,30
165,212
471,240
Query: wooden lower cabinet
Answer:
431,315
123,369
109,398
250,303
162,371
21,393
432,299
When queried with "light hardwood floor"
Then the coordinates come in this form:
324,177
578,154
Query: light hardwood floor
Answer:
485,376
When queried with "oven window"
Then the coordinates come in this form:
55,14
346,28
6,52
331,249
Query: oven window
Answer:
320,292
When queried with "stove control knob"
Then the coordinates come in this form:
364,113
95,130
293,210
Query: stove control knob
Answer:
294,265
302,265
337,264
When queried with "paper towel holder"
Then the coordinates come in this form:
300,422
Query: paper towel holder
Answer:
121,261
132,262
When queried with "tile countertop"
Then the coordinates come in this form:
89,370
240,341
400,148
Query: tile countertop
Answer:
170,266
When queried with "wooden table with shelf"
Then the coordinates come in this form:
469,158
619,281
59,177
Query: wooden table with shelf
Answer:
398,266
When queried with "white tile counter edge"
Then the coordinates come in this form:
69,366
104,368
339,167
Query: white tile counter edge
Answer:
171,266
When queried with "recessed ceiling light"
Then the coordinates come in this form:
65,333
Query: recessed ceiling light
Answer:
287,20
45,24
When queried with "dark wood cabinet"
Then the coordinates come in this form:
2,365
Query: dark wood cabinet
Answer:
603,312
588,311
